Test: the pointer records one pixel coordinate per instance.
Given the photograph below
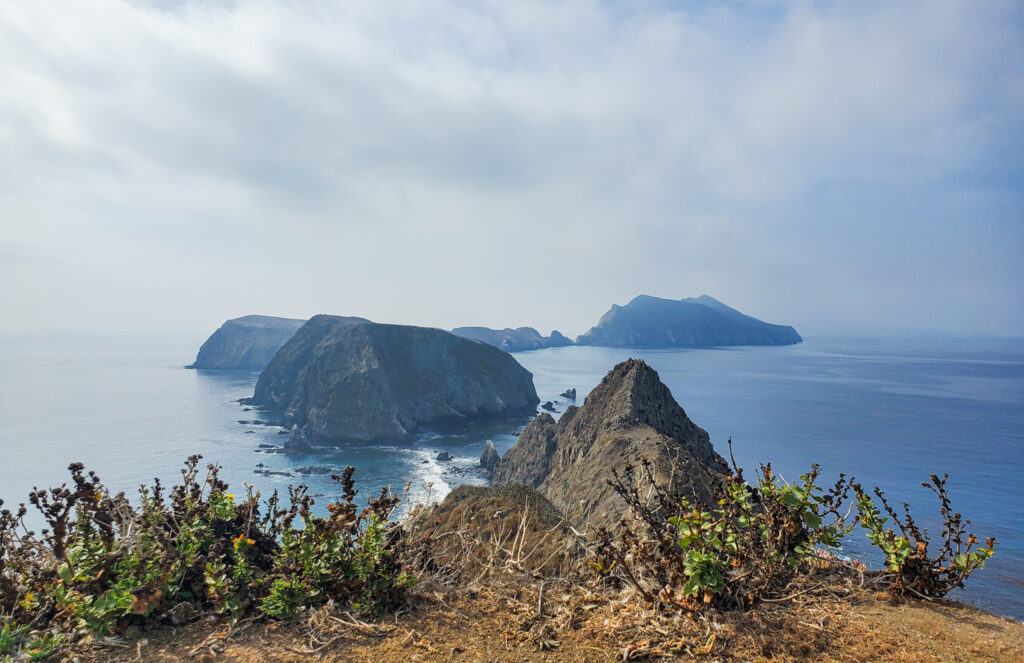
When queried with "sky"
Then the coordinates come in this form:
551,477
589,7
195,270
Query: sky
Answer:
847,168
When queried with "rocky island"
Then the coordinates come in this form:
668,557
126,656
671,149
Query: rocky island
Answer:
249,342
629,418
692,322
514,340
340,380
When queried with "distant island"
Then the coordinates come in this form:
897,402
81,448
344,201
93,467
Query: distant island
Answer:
514,340
341,380
249,342
690,323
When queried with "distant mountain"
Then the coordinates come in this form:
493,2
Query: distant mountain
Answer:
514,340
692,322
249,342
340,380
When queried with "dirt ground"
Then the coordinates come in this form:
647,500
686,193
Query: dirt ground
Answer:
537,621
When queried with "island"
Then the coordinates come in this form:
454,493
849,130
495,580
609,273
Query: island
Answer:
514,340
347,380
249,342
694,322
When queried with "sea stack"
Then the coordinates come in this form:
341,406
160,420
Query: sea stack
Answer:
346,380
489,458
701,322
629,418
249,342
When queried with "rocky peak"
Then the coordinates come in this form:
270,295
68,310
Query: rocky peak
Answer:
629,418
631,395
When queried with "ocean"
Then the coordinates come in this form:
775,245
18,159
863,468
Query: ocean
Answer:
889,412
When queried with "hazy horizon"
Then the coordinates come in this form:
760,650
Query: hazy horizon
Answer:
842,168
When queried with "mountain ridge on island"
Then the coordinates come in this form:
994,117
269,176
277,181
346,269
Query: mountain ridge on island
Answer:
514,340
628,419
348,380
249,342
703,321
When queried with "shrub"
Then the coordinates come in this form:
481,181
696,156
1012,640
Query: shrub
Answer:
103,563
911,568
746,547
755,539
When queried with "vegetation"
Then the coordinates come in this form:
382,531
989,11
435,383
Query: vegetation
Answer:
911,568
103,564
757,538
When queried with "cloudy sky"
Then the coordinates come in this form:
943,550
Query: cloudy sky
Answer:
843,167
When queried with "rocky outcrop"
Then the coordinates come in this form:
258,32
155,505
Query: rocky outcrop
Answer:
569,394
514,340
629,418
489,458
340,380
246,343
692,322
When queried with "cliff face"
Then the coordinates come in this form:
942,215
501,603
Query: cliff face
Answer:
692,322
630,417
514,340
343,380
246,343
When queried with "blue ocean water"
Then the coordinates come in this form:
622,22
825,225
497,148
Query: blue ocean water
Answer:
888,411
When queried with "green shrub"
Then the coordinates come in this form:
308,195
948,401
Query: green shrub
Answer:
747,547
911,568
755,539
103,563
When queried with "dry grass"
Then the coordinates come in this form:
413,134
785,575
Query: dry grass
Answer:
540,620
509,588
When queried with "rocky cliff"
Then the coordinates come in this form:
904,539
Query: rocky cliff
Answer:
341,380
692,322
249,342
628,418
514,340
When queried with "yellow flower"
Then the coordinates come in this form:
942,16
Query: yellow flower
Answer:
229,496
250,541
99,496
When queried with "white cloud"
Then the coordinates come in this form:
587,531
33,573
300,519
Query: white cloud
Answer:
443,163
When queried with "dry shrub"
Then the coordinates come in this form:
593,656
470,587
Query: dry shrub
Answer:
476,532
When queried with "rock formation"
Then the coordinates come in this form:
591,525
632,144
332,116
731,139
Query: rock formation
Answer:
341,380
692,322
569,394
514,340
489,458
246,343
628,418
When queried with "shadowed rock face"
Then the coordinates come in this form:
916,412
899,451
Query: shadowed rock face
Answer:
692,322
341,380
630,417
246,343
514,340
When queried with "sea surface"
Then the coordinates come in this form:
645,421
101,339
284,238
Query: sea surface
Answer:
888,411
